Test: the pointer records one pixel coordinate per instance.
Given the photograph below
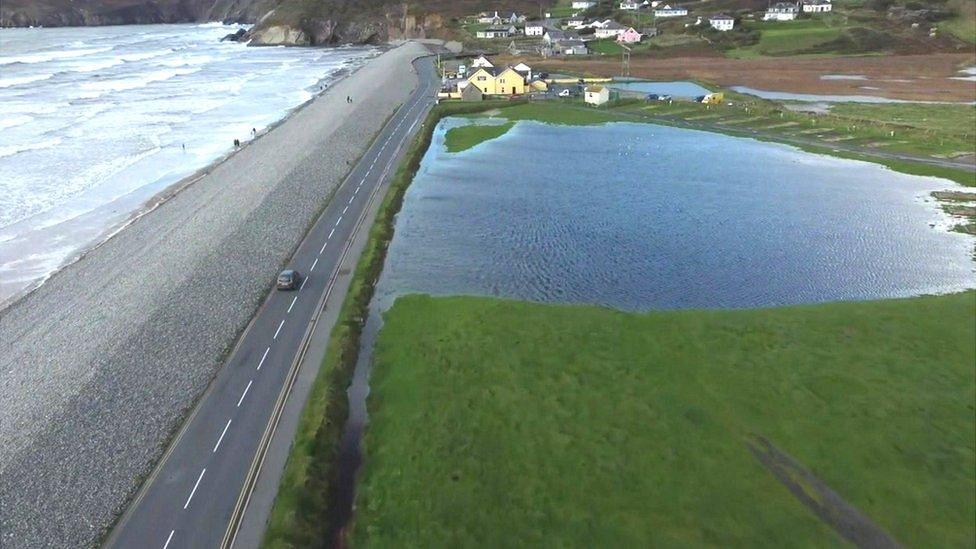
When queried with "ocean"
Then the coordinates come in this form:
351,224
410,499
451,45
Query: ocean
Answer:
96,121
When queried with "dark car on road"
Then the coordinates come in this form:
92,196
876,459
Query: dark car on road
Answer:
288,279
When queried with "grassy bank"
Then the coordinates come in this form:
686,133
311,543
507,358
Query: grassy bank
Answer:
515,423
298,518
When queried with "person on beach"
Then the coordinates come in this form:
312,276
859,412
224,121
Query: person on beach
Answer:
254,132
184,147
237,143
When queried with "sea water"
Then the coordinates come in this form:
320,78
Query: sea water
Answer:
96,121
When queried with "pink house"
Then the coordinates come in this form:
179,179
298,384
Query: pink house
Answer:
629,36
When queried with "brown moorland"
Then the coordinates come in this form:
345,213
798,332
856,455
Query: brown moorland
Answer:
909,77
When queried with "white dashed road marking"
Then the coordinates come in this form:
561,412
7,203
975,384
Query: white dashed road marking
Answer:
244,394
279,327
169,539
264,356
194,490
222,433
294,299
314,263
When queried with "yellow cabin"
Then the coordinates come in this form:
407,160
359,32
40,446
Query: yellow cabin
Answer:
494,81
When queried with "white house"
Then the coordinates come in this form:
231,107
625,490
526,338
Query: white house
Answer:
721,22
668,11
481,62
781,11
632,5
490,18
817,6
524,70
612,29
576,22
583,4
496,32
515,19
596,95
534,29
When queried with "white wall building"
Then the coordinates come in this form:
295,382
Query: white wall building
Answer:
481,62
596,95
668,11
534,29
612,29
781,11
583,4
721,22
632,5
817,6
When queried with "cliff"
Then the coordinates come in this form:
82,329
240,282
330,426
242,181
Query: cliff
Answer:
277,22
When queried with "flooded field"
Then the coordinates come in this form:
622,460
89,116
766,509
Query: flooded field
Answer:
639,217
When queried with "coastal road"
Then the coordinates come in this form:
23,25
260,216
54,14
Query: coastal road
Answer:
197,488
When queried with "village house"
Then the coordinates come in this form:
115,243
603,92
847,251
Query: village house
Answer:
534,29
596,95
612,29
583,4
496,32
556,35
569,46
471,93
721,22
493,18
482,62
632,5
524,70
668,11
629,36
817,6
498,81
781,11
576,22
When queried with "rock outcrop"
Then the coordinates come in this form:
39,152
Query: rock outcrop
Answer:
277,22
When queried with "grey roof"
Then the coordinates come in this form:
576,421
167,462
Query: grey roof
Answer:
613,25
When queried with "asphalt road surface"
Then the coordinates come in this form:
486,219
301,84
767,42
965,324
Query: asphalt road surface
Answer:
191,497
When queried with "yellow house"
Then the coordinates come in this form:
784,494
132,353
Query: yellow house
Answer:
498,81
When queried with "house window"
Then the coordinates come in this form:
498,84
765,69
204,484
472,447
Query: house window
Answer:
482,78
502,80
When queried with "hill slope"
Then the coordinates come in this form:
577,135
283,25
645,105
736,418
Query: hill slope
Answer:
290,22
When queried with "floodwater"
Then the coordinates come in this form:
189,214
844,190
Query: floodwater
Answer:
677,88
639,217
828,98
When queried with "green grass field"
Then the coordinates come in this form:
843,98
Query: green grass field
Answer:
500,423
463,138
788,38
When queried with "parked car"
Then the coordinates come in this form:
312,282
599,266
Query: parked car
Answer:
653,97
289,279
564,93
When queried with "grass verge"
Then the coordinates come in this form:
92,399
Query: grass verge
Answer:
524,424
298,516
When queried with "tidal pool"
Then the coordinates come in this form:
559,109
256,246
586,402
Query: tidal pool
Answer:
638,216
